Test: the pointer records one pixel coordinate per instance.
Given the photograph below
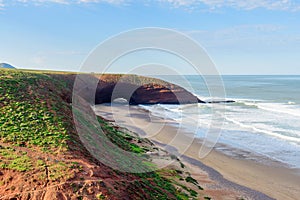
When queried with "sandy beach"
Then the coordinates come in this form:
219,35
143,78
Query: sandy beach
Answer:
232,174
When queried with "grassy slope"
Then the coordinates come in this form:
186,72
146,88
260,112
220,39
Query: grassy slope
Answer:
40,150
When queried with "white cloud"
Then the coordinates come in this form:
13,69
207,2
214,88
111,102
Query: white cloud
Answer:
288,5
66,2
44,1
238,32
1,4
103,1
247,37
72,1
284,5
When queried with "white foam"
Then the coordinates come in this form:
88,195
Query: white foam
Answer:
268,128
268,132
277,107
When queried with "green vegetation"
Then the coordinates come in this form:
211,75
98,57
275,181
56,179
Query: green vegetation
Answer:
35,115
122,140
60,170
29,113
133,79
190,179
100,196
154,184
10,159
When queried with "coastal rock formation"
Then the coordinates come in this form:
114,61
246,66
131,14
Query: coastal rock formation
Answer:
141,90
98,89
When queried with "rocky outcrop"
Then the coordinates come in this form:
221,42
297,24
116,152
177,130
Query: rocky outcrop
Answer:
135,89
141,90
98,89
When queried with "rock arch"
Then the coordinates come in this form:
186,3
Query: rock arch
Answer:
144,90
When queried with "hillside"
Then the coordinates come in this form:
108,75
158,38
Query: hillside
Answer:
42,157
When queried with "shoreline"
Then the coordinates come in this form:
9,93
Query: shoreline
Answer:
275,180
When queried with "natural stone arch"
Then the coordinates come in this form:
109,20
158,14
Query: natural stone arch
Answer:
144,91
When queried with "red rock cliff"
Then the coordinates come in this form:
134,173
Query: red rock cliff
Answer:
135,89
141,90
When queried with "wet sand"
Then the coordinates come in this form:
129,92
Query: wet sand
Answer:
233,173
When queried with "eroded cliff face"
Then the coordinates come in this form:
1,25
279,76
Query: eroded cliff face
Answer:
141,90
98,89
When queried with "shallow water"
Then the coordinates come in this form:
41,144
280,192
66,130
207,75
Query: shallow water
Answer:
265,119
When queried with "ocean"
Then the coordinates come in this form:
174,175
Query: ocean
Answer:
264,121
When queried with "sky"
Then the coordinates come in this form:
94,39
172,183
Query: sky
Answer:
241,37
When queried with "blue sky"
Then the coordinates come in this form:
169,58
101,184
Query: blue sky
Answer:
241,37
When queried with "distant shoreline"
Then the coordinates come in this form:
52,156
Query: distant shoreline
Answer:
275,180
